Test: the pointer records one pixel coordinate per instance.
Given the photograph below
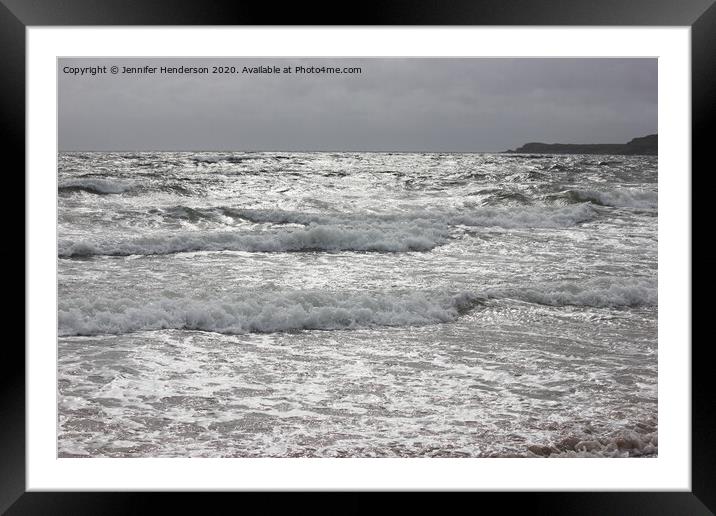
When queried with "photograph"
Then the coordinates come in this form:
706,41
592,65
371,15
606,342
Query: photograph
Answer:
357,257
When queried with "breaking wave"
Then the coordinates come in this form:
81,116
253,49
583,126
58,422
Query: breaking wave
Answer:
527,217
627,198
402,232
262,312
598,293
513,217
95,186
374,238
641,440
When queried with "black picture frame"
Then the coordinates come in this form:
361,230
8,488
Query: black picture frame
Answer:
700,15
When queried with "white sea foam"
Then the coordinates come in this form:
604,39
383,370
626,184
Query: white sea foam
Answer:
97,186
370,237
598,292
261,312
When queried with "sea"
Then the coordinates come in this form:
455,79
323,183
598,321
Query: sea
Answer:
356,304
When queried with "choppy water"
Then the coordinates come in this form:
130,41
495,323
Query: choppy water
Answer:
356,304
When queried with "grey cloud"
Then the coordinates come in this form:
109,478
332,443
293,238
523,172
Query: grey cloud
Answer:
394,104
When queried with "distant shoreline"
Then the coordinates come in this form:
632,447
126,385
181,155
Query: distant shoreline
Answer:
646,145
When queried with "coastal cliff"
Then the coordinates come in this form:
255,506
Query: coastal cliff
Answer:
646,145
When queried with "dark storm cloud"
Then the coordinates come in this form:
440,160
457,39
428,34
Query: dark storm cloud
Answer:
394,104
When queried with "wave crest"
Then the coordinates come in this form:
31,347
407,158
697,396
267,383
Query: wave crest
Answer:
371,238
598,293
527,217
95,186
506,217
262,312
626,198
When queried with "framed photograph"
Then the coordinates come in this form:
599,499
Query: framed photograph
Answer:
428,249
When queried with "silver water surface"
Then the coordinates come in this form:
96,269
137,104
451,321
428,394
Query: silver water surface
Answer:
357,304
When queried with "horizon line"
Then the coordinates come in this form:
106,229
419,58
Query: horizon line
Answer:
286,150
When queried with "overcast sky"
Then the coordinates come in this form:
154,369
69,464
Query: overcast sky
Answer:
393,104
